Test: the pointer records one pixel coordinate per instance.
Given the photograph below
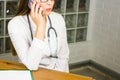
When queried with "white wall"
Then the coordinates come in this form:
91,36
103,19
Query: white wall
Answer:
79,52
106,34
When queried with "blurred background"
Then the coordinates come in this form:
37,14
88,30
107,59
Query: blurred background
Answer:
93,29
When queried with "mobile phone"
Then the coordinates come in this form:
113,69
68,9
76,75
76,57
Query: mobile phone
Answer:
30,2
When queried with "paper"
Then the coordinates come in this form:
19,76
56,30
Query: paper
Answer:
15,75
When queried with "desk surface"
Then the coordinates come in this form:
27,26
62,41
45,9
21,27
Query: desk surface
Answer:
43,73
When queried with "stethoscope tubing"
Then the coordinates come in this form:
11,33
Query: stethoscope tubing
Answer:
48,34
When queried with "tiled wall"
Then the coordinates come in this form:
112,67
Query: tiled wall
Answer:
106,34
75,13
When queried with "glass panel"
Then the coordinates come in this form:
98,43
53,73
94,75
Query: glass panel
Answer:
81,35
71,6
83,5
1,9
70,36
70,21
1,45
11,8
7,45
6,33
1,27
63,16
82,20
57,5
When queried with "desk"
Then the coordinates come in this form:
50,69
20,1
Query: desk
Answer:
43,73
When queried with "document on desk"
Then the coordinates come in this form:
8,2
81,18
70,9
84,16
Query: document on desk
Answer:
16,75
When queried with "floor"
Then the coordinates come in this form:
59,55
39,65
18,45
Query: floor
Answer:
91,72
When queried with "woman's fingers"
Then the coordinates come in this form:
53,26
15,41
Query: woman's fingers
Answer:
33,4
40,11
36,9
37,14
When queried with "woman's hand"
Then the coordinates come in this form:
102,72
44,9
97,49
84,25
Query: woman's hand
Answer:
37,14
39,18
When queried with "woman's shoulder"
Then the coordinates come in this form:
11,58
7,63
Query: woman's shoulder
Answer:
15,22
56,15
16,19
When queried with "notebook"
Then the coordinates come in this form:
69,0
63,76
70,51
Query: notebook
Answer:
16,75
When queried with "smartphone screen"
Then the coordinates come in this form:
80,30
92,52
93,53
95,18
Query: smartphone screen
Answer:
29,3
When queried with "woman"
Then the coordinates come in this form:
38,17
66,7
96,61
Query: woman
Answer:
35,43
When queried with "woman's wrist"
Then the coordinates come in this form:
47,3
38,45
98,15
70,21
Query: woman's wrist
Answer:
40,33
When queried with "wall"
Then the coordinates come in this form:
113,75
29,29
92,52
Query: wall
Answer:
79,52
105,35
82,51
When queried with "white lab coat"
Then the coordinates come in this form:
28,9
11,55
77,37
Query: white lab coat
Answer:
36,53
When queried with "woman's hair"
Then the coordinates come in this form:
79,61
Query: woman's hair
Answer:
23,8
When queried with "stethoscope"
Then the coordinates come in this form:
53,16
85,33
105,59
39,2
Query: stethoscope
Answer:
52,54
51,28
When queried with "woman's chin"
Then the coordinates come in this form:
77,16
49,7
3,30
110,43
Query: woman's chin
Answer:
48,13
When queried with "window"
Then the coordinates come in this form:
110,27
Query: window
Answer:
7,11
75,13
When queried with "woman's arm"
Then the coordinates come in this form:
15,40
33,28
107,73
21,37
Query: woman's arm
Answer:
29,54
